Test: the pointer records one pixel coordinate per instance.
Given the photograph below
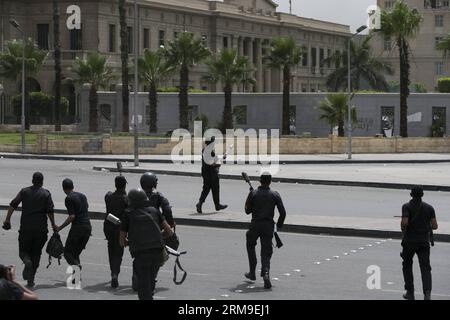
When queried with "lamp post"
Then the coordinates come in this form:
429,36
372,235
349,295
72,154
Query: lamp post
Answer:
349,90
17,26
136,85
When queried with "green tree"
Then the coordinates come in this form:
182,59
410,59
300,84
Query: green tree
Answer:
11,65
185,52
334,110
124,49
153,68
284,55
401,24
57,54
229,69
362,67
444,46
93,70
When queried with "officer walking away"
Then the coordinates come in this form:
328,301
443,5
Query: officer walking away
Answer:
418,221
141,231
261,204
210,173
116,204
37,204
80,230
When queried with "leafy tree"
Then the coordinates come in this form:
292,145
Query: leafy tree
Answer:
334,110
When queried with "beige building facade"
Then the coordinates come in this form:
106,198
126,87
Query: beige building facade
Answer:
427,63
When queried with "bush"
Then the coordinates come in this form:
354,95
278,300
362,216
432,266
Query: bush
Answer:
394,87
444,85
41,106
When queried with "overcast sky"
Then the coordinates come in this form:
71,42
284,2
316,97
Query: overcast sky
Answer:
350,12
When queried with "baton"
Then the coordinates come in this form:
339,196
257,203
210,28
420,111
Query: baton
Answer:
277,237
247,179
119,168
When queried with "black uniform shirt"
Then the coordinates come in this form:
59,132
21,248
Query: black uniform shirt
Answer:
36,204
159,202
9,290
261,204
419,216
77,205
116,203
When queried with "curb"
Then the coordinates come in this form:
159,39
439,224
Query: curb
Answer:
363,184
288,228
165,161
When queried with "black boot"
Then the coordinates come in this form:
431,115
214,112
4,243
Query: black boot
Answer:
250,276
267,283
199,207
114,281
221,207
427,295
28,272
409,295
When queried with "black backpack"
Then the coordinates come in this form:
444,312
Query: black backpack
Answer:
55,249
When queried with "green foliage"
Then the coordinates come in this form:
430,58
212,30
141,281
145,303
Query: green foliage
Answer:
444,46
438,129
394,87
334,110
153,67
186,50
94,70
444,85
284,52
41,106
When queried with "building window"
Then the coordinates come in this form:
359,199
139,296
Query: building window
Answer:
439,20
387,121
130,39
439,68
388,4
387,45
321,58
175,34
76,39
313,60
240,115
305,56
146,38
225,42
439,121
112,38
42,36
337,63
328,57
162,38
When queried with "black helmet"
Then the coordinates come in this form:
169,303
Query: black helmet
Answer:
149,181
137,198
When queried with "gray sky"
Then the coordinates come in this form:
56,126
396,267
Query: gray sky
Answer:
350,12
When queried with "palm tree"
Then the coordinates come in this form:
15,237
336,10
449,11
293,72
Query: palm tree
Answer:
125,74
93,70
444,46
285,55
334,110
363,67
400,25
153,68
230,69
184,53
57,49
11,65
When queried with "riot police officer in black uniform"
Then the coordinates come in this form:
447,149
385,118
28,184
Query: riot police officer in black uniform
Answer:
141,230
37,204
210,174
116,204
261,204
418,221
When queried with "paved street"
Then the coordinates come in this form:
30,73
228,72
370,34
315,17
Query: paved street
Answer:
307,267
366,208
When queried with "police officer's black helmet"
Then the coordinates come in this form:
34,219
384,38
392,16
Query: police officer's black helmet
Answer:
120,182
149,181
137,198
38,179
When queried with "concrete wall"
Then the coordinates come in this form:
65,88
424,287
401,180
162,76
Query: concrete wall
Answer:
264,111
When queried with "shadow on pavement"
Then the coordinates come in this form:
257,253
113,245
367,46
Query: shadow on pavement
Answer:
59,284
121,291
204,214
248,287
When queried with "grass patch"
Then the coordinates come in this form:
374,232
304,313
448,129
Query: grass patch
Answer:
15,138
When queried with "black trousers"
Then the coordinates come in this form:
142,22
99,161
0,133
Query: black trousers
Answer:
423,253
76,242
146,266
264,231
31,243
210,183
115,250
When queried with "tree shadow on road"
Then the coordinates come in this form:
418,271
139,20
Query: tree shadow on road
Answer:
121,291
204,214
248,287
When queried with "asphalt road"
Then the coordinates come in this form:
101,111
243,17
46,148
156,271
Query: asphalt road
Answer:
307,267
183,192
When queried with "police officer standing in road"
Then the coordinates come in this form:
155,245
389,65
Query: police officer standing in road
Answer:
116,204
141,229
37,204
261,204
80,230
418,221
210,173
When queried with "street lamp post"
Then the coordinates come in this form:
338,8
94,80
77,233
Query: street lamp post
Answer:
16,25
136,84
349,91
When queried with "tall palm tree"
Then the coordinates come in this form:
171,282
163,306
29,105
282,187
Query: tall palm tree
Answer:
153,68
334,110
400,24
444,46
185,52
11,65
230,69
57,55
125,74
285,55
362,65
95,71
